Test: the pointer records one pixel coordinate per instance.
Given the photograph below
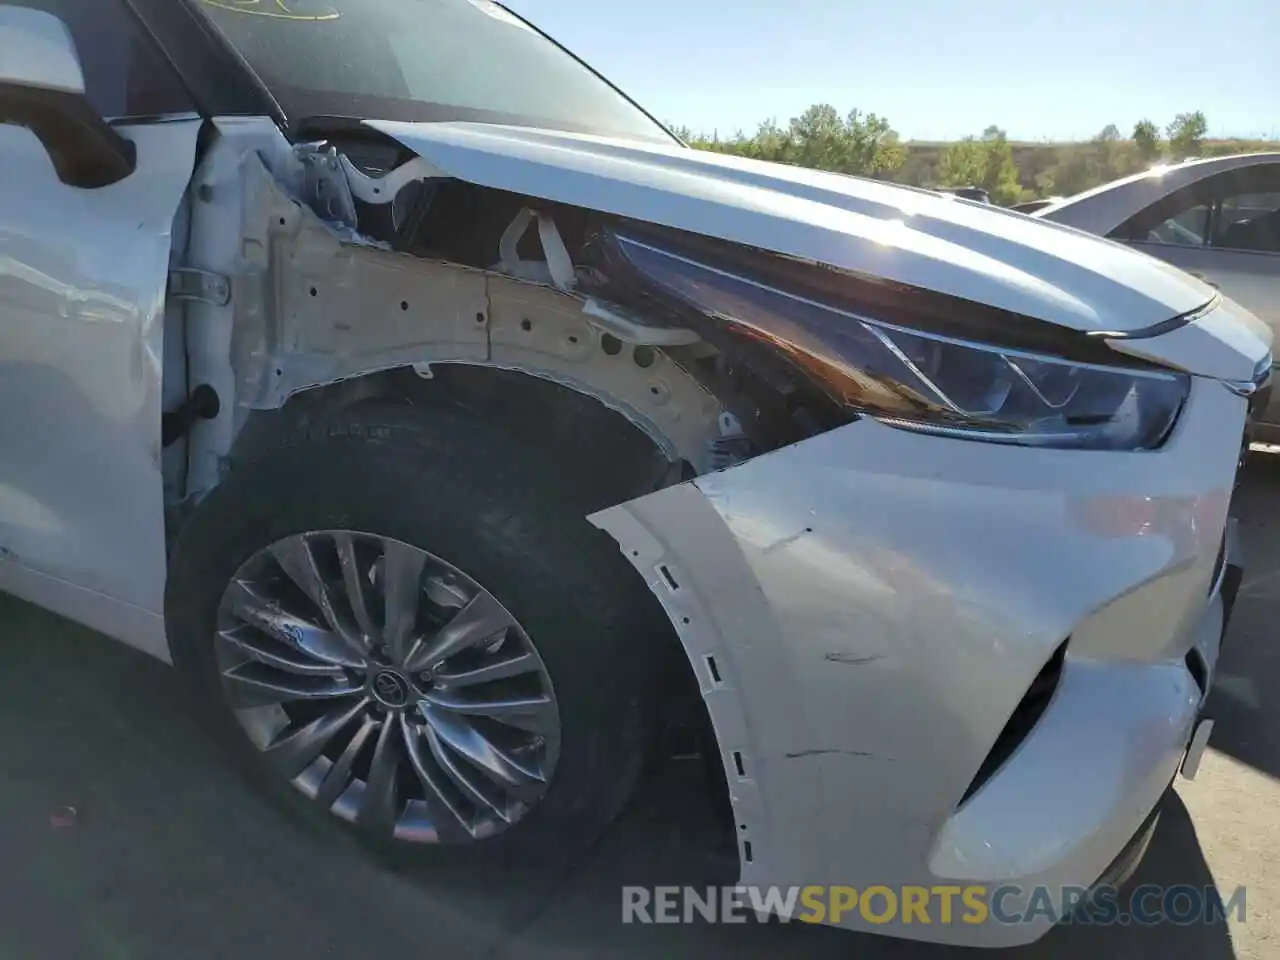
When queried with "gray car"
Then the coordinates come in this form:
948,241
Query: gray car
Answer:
1218,219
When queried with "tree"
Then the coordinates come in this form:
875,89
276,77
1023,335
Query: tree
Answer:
867,145
873,146
1186,135
1001,180
864,146
1146,137
817,138
962,164
986,163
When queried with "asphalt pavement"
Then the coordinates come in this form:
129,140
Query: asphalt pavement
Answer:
168,855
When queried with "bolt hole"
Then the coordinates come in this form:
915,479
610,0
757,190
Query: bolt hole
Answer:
643,357
282,221
526,325
742,827
666,575
611,345
685,619
404,304
315,292
655,391
479,318
573,339
635,553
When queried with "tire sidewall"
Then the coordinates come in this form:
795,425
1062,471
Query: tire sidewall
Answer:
490,507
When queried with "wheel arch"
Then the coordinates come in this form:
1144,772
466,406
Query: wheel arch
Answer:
323,320
604,456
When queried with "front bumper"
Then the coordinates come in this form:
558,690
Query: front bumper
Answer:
866,610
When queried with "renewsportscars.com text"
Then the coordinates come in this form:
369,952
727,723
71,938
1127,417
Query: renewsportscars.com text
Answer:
1145,905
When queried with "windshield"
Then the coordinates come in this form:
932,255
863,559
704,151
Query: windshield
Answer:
418,60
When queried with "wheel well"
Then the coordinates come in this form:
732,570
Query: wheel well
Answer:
601,456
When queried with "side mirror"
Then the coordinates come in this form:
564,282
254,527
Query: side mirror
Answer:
42,88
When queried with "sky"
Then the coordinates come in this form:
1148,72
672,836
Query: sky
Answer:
937,69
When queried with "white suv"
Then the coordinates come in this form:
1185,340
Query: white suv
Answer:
440,415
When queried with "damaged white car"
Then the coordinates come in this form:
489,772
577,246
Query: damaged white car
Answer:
379,364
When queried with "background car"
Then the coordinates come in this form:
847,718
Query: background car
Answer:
1031,206
968,193
1218,219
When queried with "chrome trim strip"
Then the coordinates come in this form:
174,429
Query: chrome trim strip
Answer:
1164,326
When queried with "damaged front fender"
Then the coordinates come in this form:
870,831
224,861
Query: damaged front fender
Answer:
863,624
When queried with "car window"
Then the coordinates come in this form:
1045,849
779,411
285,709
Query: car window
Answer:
125,74
1249,222
1189,228
1234,210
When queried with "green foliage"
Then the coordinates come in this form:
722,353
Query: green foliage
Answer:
867,145
962,164
986,163
820,138
1001,174
1186,135
1146,139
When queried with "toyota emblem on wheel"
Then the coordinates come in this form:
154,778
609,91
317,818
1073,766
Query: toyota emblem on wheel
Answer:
391,689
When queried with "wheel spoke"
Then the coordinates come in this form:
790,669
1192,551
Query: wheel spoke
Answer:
248,604
515,778
282,656
450,822
295,751
402,593
472,788
254,684
339,775
378,804
297,560
355,584
387,686
479,621
534,714
513,666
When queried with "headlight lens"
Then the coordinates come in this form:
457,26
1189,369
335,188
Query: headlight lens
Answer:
925,382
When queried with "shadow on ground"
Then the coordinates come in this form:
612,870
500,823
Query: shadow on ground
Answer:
1244,703
170,856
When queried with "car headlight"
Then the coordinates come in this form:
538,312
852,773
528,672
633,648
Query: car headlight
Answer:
922,381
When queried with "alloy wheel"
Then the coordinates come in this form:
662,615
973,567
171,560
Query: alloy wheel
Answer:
388,686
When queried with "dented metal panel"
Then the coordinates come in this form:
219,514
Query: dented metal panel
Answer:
866,656
83,278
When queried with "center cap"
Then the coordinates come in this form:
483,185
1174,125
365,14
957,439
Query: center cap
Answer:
390,689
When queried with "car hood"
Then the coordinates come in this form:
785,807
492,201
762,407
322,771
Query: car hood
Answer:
915,237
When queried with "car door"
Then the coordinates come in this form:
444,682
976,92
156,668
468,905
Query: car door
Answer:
1225,229
83,277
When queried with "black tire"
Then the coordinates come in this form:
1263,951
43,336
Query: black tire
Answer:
480,500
